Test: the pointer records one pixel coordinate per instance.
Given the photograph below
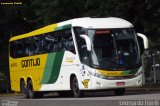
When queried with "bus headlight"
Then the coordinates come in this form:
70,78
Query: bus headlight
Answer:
97,74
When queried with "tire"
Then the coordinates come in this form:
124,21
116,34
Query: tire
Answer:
120,91
75,88
23,89
31,93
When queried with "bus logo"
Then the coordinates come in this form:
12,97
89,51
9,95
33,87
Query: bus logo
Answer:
85,83
30,62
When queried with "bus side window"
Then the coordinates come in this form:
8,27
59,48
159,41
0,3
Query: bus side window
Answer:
58,43
46,43
84,54
68,43
15,49
27,47
20,48
38,44
12,49
52,42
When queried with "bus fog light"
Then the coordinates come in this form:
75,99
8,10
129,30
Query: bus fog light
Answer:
98,83
139,81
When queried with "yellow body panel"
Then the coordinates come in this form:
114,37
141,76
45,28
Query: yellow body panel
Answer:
112,73
18,71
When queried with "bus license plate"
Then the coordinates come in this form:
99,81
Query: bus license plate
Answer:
120,83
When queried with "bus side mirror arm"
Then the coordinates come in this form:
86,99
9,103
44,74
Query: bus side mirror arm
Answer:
145,40
87,40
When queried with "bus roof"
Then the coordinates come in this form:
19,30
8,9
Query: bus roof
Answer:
110,22
87,22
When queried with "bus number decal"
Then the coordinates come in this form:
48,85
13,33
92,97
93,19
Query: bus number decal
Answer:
30,62
13,64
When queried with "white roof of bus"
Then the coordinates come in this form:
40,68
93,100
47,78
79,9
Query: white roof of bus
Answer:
110,22
91,23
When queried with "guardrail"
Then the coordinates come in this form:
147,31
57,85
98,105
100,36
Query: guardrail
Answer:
151,65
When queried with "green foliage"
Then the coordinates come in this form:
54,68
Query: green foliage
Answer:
144,14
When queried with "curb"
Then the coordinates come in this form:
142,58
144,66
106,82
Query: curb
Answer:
12,94
143,89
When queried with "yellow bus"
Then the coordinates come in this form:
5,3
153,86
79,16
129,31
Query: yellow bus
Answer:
75,56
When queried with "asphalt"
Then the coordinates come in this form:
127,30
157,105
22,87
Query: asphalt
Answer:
146,88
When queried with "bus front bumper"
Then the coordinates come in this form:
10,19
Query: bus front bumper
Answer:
99,83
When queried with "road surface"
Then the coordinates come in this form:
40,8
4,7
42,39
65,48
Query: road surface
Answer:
131,98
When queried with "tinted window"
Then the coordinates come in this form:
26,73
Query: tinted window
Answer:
45,43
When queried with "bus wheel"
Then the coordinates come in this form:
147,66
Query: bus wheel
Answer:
23,88
31,92
120,91
75,88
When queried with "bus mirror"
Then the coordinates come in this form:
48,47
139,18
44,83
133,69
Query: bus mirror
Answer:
87,40
145,40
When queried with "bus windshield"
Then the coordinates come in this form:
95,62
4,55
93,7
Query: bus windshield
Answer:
115,49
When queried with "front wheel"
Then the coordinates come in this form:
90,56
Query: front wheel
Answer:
75,88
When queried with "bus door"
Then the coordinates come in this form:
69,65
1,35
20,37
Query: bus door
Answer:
84,68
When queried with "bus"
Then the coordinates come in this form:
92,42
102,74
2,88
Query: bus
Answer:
75,56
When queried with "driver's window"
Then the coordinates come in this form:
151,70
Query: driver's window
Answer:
84,54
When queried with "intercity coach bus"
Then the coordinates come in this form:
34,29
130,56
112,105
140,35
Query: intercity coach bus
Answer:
78,55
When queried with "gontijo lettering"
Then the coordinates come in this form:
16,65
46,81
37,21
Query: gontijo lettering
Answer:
30,62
